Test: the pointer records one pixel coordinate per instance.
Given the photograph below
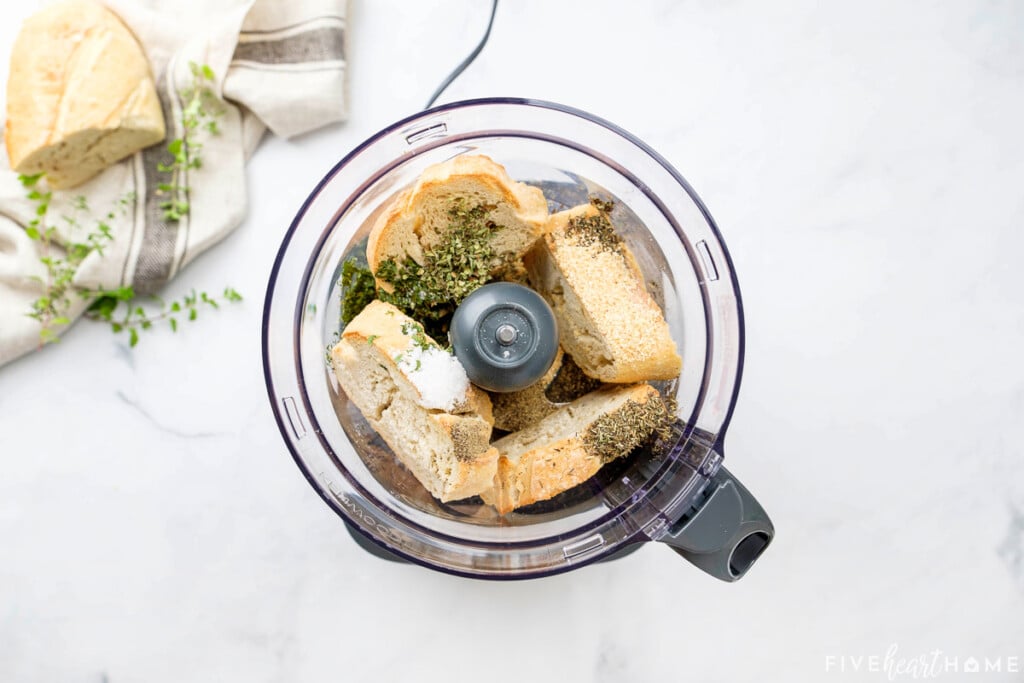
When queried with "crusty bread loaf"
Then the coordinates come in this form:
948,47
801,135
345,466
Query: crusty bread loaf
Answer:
607,320
418,218
79,96
570,445
417,397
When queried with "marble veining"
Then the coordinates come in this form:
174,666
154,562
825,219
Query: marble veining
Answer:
163,428
1012,547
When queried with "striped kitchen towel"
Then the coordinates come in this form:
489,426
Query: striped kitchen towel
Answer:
277,66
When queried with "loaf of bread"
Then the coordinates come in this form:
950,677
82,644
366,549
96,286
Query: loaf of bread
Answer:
80,95
419,218
570,445
607,320
417,397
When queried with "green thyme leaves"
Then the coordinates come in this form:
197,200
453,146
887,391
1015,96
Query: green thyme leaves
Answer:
119,307
200,111
52,308
419,336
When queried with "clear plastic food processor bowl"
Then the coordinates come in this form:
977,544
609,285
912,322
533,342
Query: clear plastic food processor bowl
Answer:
679,495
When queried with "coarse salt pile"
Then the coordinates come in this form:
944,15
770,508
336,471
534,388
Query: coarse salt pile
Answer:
437,375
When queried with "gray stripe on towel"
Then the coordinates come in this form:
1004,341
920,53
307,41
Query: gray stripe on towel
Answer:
315,45
156,255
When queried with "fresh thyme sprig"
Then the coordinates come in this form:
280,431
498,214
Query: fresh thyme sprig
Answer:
120,308
51,309
200,112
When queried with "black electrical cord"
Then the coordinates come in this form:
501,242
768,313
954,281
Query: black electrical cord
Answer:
467,61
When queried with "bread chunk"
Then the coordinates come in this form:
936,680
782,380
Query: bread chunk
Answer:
80,95
417,397
607,320
570,445
419,217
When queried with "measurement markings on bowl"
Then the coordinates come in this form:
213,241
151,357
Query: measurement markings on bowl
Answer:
294,419
585,546
435,131
710,269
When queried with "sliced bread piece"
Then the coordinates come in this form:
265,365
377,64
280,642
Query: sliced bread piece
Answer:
607,320
80,95
421,217
570,445
417,397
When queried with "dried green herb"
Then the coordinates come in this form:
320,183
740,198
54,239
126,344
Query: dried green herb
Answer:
570,383
597,229
460,263
357,289
617,433
664,430
419,335
463,260
605,206
409,291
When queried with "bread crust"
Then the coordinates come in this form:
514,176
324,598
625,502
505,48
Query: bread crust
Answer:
554,455
80,95
608,322
447,451
416,219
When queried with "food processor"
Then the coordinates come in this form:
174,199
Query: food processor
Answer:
674,490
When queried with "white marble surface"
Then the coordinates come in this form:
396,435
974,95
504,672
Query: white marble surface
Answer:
865,162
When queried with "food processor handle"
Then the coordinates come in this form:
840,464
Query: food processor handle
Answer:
727,533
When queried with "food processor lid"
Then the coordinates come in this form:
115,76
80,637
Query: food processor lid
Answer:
663,497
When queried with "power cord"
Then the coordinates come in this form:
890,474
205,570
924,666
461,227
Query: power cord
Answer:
465,62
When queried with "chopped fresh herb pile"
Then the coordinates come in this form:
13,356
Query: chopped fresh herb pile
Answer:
357,289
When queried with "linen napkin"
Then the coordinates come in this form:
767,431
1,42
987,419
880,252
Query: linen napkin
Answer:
277,65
